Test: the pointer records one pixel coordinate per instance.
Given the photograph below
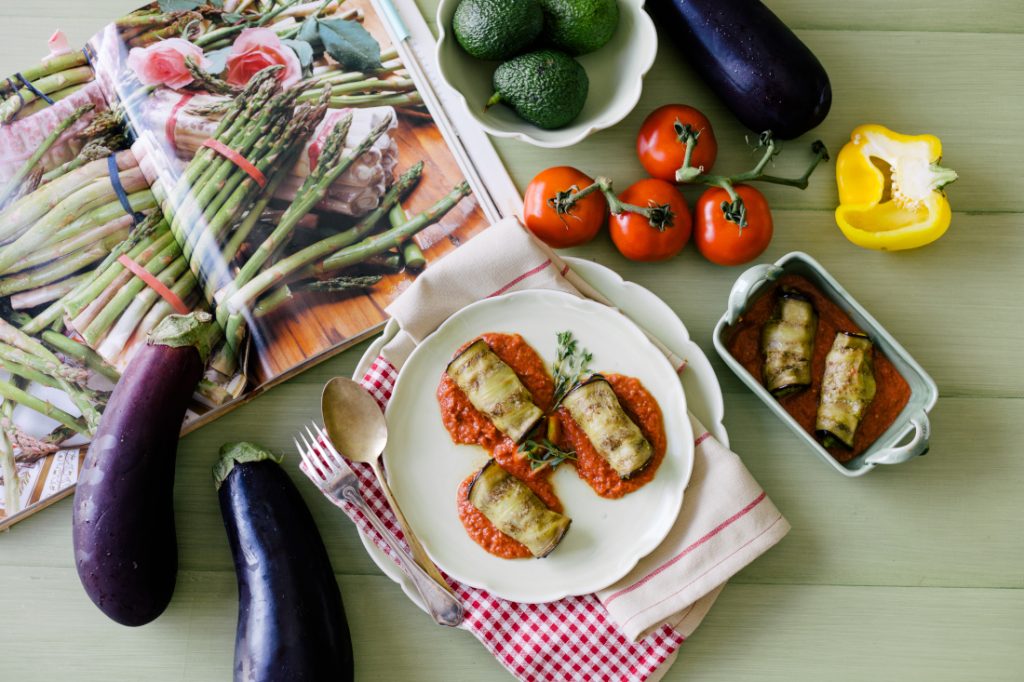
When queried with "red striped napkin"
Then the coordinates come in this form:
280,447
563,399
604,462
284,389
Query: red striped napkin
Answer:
632,629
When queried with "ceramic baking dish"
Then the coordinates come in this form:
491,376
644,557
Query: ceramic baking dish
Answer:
908,436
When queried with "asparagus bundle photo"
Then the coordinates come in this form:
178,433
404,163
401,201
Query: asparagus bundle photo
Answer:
214,25
268,164
216,203
58,76
356,192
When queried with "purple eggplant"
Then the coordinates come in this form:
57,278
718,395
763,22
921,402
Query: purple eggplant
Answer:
766,76
291,621
125,545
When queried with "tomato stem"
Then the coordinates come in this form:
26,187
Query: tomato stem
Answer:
734,210
660,216
689,137
688,174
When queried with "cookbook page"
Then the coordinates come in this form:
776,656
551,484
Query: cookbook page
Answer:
60,216
278,165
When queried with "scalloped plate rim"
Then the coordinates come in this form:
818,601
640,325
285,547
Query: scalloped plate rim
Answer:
585,268
606,560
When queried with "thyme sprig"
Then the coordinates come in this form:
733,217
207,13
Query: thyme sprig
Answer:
545,452
571,363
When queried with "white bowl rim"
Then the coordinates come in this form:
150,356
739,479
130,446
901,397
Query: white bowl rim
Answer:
645,25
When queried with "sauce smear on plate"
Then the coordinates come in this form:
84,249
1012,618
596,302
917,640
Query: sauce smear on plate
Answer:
643,409
466,425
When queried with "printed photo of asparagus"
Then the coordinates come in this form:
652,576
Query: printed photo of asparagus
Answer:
269,162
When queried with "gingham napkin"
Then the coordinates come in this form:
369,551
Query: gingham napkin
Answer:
631,630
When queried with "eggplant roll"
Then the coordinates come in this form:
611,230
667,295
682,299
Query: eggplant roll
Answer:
593,405
494,389
847,388
516,511
787,344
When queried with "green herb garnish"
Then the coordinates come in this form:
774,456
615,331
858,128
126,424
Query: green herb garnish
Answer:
544,452
571,363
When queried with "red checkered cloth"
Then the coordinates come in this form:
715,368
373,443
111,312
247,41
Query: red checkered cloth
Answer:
570,639
631,629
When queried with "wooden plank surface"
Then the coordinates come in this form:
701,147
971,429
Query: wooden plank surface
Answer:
913,573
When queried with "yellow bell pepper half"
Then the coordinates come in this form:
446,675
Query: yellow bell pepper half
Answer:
890,189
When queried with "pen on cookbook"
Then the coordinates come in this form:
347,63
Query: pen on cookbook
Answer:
403,40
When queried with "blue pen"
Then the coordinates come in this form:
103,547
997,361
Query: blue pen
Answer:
395,19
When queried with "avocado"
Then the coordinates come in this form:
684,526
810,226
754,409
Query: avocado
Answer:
547,88
579,26
497,29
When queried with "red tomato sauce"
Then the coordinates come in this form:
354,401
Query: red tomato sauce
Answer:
643,409
892,391
466,425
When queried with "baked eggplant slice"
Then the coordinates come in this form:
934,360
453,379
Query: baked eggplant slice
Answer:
787,344
494,389
847,388
593,405
516,511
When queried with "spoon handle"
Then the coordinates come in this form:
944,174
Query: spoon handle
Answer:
419,554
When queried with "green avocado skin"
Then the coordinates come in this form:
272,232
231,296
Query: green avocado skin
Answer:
497,29
546,88
579,26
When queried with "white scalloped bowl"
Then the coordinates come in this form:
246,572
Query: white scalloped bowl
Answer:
616,73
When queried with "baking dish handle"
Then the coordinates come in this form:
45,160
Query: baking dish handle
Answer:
917,446
745,284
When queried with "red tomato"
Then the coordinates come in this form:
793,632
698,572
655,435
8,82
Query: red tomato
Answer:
635,236
659,148
724,242
576,226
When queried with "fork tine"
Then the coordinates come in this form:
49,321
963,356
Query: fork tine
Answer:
333,450
313,457
305,458
315,444
319,451
303,447
336,457
327,443
306,445
324,448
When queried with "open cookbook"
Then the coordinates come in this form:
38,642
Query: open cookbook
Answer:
287,166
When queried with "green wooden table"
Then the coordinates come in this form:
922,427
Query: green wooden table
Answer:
913,573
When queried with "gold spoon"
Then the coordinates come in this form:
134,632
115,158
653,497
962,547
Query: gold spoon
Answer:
357,428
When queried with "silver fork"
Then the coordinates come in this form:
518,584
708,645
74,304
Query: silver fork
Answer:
335,478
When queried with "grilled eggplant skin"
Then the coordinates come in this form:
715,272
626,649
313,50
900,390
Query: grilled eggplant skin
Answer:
291,621
847,388
787,344
495,390
516,511
752,60
593,405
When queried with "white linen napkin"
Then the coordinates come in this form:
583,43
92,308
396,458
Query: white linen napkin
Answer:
726,521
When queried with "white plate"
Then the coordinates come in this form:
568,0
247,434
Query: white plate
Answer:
703,393
425,467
